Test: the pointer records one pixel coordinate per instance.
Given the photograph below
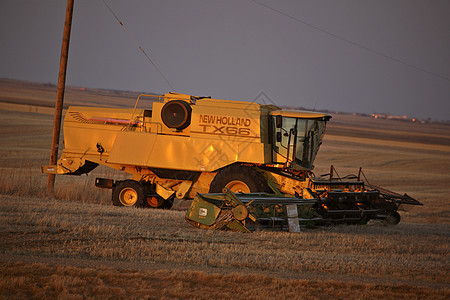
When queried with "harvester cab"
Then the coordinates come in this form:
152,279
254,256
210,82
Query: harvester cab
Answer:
296,137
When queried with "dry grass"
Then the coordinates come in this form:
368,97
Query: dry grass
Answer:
75,233
77,245
26,181
48,281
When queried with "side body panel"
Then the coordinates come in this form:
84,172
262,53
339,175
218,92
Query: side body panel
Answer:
221,132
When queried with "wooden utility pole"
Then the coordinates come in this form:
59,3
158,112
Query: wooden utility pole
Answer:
60,93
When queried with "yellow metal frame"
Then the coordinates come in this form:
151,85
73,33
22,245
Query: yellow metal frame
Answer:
221,132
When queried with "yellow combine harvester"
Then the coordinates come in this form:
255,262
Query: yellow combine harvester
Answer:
186,145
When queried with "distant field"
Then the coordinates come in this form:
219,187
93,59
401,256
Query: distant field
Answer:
38,94
79,245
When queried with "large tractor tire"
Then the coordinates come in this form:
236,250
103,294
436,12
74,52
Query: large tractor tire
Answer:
128,193
239,179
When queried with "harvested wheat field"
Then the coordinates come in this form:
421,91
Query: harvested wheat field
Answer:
75,244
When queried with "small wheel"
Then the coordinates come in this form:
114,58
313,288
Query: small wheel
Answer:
393,218
128,193
237,186
239,179
240,212
159,202
154,201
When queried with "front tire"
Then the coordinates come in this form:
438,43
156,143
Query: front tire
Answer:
128,193
239,179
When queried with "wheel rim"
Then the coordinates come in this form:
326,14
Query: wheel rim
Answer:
237,186
128,196
155,201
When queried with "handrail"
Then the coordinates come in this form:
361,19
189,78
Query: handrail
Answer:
137,101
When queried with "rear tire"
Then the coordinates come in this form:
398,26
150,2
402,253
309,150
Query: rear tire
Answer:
239,179
128,193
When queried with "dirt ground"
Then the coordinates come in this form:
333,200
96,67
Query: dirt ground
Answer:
80,246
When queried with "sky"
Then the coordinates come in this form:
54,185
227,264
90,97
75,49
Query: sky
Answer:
365,56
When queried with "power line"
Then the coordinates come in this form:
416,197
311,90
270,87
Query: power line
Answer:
139,46
352,42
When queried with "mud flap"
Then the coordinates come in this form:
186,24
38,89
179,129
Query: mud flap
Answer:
164,192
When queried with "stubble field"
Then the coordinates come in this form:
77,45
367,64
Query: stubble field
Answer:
75,244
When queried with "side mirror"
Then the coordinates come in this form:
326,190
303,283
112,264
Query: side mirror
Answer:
279,121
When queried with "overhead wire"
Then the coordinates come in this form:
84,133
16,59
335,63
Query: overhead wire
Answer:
139,46
298,20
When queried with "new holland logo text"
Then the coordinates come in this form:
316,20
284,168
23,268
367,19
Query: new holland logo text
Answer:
225,125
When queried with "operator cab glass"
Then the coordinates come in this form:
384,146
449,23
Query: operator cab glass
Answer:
297,137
